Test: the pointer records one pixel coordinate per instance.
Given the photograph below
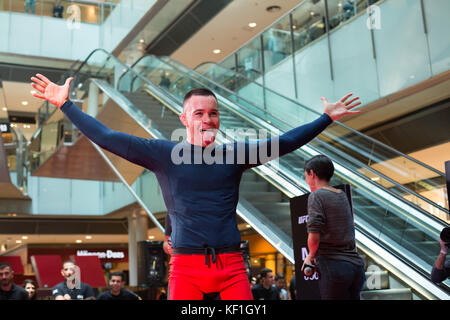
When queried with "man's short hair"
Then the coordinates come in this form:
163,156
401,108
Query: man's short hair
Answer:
264,272
3,265
279,276
68,261
117,274
198,92
322,166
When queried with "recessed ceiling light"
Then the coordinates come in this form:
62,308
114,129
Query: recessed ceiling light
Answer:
79,241
272,9
217,51
24,103
4,109
151,237
18,241
24,237
141,41
252,24
88,237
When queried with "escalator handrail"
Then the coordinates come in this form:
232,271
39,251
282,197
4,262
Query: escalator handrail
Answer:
363,165
354,131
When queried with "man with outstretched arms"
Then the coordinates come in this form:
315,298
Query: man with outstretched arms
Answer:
201,197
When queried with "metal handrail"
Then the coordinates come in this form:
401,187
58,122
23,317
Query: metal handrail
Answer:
354,131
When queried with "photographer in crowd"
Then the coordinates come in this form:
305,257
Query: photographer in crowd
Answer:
441,269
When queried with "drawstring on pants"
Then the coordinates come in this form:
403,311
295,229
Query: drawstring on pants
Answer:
213,254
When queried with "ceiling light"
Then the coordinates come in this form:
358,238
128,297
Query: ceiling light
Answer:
375,178
24,103
252,24
248,226
4,109
78,241
88,237
13,125
141,41
217,51
273,9
151,237
18,241
24,237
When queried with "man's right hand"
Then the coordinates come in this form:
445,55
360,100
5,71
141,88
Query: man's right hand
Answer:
51,92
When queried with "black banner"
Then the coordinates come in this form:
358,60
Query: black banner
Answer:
307,287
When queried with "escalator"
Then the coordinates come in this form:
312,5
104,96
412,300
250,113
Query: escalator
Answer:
13,174
389,226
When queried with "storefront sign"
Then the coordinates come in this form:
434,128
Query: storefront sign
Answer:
108,254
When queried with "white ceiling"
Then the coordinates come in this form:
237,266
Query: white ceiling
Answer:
14,93
17,92
229,30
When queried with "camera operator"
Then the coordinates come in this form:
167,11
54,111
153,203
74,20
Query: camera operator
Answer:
441,269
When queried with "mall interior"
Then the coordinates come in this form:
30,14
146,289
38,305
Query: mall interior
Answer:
269,62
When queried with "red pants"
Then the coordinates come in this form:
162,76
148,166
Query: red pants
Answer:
190,278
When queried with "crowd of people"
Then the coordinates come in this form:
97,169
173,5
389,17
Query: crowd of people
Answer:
69,289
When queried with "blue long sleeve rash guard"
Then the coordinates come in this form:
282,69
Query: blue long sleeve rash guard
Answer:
201,199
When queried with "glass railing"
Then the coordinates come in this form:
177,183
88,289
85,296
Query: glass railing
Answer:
16,149
410,232
79,11
404,176
320,47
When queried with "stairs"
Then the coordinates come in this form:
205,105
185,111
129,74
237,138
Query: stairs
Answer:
381,285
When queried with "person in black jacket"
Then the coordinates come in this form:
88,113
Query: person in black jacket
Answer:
441,268
116,291
8,290
72,288
265,289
